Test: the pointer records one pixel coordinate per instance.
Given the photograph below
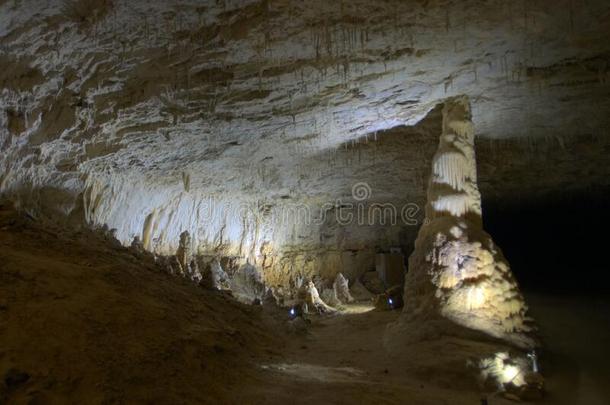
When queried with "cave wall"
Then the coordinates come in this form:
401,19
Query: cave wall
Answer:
291,235
143,115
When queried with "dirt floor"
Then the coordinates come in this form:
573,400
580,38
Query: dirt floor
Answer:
86,321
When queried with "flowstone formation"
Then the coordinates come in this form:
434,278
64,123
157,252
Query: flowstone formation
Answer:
456,272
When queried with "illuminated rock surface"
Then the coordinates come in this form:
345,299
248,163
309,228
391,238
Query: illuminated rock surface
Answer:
157,118
456,271
221,140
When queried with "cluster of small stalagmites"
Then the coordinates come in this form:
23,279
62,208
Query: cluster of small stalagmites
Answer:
184,263
455,270
207,273
247,284
322,298
243,279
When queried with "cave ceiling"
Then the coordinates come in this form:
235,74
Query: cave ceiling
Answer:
278,98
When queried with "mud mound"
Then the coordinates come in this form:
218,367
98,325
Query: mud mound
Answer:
85,320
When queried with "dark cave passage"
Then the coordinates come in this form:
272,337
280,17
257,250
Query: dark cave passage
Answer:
555,244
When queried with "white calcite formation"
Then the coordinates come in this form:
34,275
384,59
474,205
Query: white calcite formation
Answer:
313,300
341,289
247,284
187,265
214,277
456,272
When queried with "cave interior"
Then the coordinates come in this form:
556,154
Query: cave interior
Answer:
276,201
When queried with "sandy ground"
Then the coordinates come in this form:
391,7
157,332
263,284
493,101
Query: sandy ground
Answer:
344,360
347,359
83,320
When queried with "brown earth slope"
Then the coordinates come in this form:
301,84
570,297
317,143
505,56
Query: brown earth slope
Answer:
83,320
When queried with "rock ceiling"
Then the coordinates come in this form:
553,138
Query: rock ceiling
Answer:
147,106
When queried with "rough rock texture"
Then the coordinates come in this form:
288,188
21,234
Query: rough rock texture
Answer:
456,271
341,289
228,118
214,277
247,284
313,300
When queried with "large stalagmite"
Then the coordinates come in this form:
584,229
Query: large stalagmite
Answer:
456,272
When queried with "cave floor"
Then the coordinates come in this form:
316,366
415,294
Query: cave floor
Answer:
84,320
347,358
342,359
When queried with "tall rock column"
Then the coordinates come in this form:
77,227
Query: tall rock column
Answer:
456,272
